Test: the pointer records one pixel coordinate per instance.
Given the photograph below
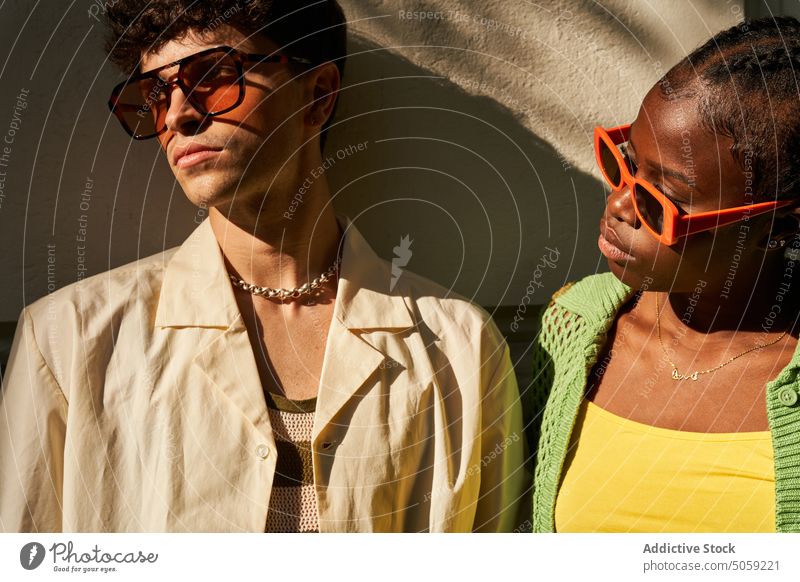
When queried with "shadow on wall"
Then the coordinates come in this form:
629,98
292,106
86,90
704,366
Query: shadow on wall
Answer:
494,212
486,208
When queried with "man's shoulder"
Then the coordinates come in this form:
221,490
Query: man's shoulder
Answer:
444,310
136,280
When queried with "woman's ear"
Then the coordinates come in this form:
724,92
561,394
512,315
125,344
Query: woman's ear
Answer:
792,245
785,232
323,84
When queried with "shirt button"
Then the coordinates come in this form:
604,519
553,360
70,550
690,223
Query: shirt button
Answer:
787,396
262,451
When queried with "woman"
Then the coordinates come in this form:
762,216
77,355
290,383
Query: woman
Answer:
670,385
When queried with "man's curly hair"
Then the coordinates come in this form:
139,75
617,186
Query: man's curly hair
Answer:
311,29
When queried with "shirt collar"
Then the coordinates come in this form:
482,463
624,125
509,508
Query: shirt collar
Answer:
197,292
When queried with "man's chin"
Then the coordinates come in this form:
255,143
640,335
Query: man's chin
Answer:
204,201
205,191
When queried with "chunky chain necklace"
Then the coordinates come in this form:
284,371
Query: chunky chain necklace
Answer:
285,294
676,375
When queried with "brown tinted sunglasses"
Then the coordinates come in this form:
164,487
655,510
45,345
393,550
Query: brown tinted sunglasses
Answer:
212,81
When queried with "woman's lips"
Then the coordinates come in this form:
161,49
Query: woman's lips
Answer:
195,158
611,252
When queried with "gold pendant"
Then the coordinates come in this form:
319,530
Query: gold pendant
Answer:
678,376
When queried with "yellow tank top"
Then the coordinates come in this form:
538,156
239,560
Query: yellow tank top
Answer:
625,476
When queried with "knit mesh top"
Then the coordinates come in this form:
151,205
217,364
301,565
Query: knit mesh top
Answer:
293,501
574,329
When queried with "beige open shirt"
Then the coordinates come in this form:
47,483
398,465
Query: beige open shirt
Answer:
132,402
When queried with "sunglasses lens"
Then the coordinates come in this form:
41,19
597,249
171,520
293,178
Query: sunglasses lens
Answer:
213,81
649,208
214,85
610,165
141,107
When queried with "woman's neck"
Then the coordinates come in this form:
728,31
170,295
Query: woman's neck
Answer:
765,305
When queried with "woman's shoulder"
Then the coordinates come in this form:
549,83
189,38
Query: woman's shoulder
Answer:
597,292
588,304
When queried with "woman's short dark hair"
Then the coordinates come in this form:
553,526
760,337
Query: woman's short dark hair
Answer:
312,29
747,82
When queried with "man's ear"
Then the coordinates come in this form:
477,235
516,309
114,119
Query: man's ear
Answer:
323,84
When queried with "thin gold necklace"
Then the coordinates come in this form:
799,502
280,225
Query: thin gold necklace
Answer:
676,375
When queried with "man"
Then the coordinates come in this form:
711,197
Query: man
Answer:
271,373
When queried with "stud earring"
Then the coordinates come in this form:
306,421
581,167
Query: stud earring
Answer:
774,244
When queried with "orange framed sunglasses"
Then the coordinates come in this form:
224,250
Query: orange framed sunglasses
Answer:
655,211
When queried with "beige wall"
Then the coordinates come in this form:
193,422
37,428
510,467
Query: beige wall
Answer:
477,121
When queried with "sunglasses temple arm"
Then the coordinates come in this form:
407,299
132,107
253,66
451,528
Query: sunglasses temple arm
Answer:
619,134
692,223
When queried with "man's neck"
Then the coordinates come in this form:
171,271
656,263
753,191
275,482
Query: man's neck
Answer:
268,249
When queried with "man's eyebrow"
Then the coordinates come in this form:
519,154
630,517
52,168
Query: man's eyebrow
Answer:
161,73
160,68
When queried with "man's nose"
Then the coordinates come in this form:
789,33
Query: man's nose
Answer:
181,116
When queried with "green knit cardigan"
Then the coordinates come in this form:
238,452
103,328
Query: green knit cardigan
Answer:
573,331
